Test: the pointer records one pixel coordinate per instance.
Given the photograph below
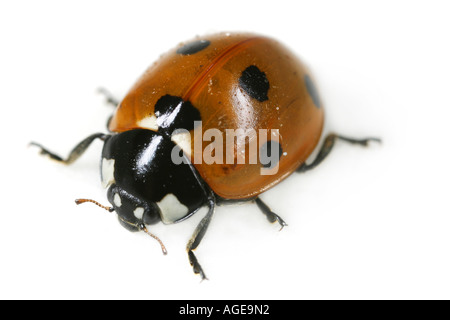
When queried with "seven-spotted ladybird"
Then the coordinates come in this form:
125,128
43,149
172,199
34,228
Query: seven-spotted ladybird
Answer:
169,150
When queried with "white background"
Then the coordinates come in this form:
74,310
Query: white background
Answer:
368,223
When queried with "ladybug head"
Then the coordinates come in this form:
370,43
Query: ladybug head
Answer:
131,211
144,185
141,218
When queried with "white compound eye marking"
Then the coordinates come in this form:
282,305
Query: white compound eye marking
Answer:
172,209
148,123
139,213
117,200
107,172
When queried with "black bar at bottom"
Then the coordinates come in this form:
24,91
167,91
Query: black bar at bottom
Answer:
222,308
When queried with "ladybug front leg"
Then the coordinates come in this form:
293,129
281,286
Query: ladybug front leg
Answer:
197,236
76,152
328,145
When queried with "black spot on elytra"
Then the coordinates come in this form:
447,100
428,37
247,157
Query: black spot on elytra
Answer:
193,47
266,158
174,113
312,91
255,83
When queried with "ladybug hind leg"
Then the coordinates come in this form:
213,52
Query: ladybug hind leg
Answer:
328,145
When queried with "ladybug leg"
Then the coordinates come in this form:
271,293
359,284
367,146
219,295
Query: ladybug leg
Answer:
328,145
76,152
271,216
197,236
110,99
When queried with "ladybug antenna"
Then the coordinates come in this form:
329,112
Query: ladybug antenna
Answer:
80,201
141,226
163,247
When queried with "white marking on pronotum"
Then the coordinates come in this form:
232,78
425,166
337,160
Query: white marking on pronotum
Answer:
139,213
172,209
148,123
117,200
107,172
183,139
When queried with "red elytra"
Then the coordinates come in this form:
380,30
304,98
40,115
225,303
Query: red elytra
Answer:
236,81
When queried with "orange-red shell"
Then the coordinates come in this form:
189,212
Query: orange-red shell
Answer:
209,79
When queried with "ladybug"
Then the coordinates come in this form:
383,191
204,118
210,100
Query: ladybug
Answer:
208,87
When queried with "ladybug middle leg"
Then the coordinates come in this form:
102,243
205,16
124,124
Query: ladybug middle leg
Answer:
110,99
328,145
271,216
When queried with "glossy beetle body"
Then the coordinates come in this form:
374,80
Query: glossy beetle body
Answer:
230,82
166,155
